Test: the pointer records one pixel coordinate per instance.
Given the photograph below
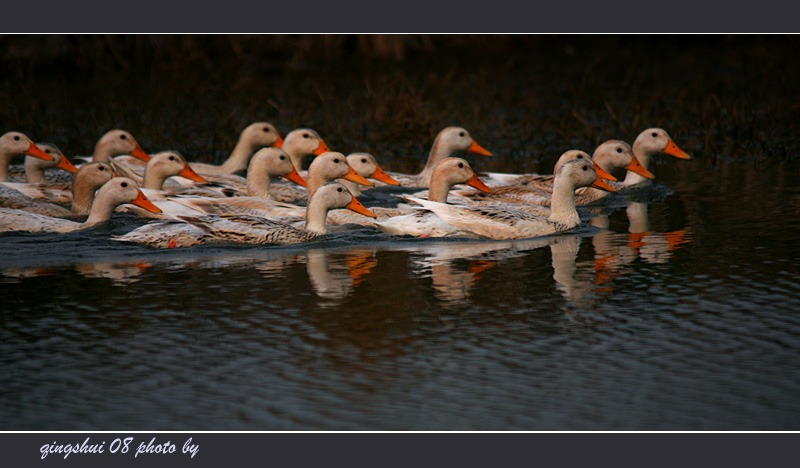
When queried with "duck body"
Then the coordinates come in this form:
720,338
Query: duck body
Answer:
501,222
115,192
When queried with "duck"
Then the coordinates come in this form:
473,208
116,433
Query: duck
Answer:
301,143
254,137
497,222
80,193
365,165
447,142
118,143
113,193
164,165
248,229
648,144
450,171
535,189
33,171
17,144
266,164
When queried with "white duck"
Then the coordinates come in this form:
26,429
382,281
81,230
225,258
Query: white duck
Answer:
301,143
268,163
447,142
449,172
117,143
114,193
503,223
33,171
649,143
254,137
248,229
609,156
366,166
17,144
80,193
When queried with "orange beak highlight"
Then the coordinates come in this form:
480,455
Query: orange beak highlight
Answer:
190,174
139,153
278,143
602,185
383,177
321,148
63,163
636,167
673,150
477,149
476,182
354,176
143,202
295,177
601,173
37,152
356,206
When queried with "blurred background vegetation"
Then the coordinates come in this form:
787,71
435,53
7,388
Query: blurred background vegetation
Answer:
525,98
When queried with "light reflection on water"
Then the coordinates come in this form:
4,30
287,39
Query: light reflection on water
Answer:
662,315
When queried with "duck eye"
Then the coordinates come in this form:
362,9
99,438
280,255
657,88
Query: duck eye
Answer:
16,138
283,157
336,161
305,135
172,158
124,184
122,137
460,165
101,168
47,151
461,134
654,135
339,189
266,129
363,161
585,168
619,150
580,156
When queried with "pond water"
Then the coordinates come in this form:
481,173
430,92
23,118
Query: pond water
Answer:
677,314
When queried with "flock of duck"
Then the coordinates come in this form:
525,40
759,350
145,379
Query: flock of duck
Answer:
189,203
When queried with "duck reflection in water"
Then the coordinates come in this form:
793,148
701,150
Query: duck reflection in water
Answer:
333,277
614,251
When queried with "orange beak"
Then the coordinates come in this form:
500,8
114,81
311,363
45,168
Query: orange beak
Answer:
295,177
383,177
37,152
143,202
139,153
321,148
476,182
477,149
601,173
354,176
63,163
636,167
278,143
673,150
190,174
602,185
356,206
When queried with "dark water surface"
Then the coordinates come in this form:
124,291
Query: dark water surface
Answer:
689,322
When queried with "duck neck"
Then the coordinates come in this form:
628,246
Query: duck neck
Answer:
438,189
82,196
5,160
562,205
102,152
438,152
154,179
316,213
314,181
632,178
353,187
34,172
258,184
100,212
239,158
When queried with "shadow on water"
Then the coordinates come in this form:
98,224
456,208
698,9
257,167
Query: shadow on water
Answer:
671,310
